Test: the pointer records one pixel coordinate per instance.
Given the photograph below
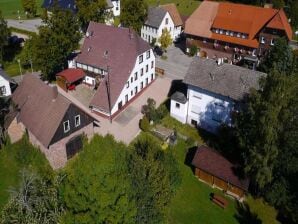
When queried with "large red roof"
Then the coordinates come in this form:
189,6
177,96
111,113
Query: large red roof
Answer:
212,162
72,74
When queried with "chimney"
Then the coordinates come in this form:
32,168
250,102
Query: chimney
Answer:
54,92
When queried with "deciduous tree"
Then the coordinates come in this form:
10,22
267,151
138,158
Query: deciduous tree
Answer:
29,7
165,39
133,14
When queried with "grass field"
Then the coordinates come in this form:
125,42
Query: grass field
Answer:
192,202
185,7
14,158
10,8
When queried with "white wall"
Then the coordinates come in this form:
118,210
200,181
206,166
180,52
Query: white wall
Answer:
116,8
147,31
177,32
137,83
5,87
179,112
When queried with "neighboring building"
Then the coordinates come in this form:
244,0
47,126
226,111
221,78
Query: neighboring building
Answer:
160,18
214,169
213,90
6,84
112,5
118,63
242,32
52,122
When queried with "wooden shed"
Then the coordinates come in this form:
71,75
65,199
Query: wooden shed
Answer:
215,170
68,78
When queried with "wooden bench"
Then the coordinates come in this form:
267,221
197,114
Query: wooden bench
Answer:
159,71
219,200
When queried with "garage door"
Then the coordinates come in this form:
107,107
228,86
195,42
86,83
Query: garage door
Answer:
73,146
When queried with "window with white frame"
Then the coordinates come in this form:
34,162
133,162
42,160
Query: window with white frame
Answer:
141,58
127,84
262,40
136,76
147,68
152,64
77,120
167,21
2,90
142,71
66,126
272,42
148,54
177,105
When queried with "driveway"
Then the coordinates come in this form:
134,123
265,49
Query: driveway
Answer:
125,127
176,65
30,25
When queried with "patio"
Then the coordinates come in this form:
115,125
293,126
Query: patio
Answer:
83,93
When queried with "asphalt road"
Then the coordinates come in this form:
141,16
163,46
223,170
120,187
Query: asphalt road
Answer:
29,25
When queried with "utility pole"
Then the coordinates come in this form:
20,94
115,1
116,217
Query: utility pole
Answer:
108,92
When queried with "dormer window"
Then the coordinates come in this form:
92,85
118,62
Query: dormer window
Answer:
216,30
66,126
238,34
262,40
231,33
227,32
221,31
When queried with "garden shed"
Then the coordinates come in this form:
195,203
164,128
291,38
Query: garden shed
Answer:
69,78
214,169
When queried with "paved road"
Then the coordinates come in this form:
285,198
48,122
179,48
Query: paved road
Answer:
29,25
176,65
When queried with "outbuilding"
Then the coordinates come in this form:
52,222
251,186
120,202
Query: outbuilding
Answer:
214,169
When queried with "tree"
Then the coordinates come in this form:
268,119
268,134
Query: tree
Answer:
280,57
29,7
55,42
36,201
154,177
165,39
94,10
4,35
133,14
278,4
97,185
144,124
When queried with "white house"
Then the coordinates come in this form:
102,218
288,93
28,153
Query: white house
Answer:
118,63
160,18
213,91
5,84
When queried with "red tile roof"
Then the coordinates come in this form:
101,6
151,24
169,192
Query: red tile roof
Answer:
215,164
72,74
122,46
235,17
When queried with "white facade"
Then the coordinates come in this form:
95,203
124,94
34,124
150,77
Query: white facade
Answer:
4,87
116,8
204,109
149,32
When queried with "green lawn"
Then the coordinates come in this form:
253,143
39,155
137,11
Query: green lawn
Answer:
185,7
10,8
192,202
14,158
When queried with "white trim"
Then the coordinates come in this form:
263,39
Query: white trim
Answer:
79,121
65,131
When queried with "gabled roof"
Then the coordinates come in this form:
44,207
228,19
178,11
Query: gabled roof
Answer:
41,108
173,11
227,80
155,16
235,17
116,48
215,164
6,77
72,74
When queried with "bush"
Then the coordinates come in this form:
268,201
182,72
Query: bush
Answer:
193,50
144,124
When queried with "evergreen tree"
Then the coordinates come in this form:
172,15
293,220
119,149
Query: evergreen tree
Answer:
29,7
154,176
97,187
55,42
94,10
133,14
4,35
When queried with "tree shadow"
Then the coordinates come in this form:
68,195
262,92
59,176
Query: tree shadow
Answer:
189,157
245,215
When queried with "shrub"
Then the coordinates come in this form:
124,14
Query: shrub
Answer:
193,50
144,124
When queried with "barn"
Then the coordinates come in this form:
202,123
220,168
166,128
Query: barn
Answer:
212,168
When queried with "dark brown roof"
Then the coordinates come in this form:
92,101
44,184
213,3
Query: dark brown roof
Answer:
41,108
227,80
121,47
210,161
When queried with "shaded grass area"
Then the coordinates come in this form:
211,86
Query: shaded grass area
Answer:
13,159
185,7
10,8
